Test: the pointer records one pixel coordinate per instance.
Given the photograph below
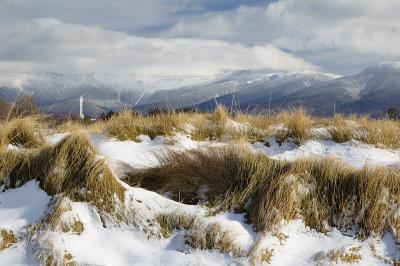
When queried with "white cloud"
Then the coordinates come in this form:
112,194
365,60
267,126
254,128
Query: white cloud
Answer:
51,45
353,27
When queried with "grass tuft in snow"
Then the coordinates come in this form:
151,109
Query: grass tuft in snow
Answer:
342,129
26,132
128,126
348,255
174,221
322,192
213,236
7,239
297,125
69,167
382,132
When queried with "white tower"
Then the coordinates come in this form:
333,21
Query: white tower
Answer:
81,108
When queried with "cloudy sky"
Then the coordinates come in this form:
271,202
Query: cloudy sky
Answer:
196,37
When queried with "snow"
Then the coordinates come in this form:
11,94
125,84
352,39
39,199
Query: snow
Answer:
303,246
21,206
19,254
55,138
355,153
135,242
124,245
143,152
243,233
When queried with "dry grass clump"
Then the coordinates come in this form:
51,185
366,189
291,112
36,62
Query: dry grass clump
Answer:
176,221
75,227
22,106
68,259
323,192
381,132
347,255
221,126
212,126
342,129
189,176
219,118
213,236
26,132
128,126
7,239
70,167
70,125
258,121
297,125
266,255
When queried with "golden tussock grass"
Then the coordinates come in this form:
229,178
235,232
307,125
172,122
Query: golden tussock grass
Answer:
128,126
383,132
69,167
297,125
212,126
7,239
213,236
184,174
174,221
323,192
26,132
70,125
220,125
348,255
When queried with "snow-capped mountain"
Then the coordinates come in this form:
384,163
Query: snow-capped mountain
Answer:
59,93
371,91
247,86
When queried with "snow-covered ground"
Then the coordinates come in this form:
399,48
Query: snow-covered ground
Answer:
353,152
131,244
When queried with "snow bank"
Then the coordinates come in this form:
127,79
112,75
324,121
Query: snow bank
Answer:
353,152
21,206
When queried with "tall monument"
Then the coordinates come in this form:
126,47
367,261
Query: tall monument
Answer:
81,108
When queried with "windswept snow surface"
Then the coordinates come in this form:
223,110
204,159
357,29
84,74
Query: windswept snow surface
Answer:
143,152
109,243
21,206
353,152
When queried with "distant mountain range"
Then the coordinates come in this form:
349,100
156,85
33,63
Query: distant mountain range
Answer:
372,91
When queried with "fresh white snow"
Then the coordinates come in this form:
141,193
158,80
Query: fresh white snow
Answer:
353,152
21,206
133,243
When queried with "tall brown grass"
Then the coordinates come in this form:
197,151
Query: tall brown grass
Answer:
297,125
22,106
128,125
323,192
70,168
27,132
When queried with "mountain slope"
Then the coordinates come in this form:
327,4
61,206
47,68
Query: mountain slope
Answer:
246,85
371,91
60,93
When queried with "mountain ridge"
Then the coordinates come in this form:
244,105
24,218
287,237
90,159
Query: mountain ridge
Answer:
371,91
